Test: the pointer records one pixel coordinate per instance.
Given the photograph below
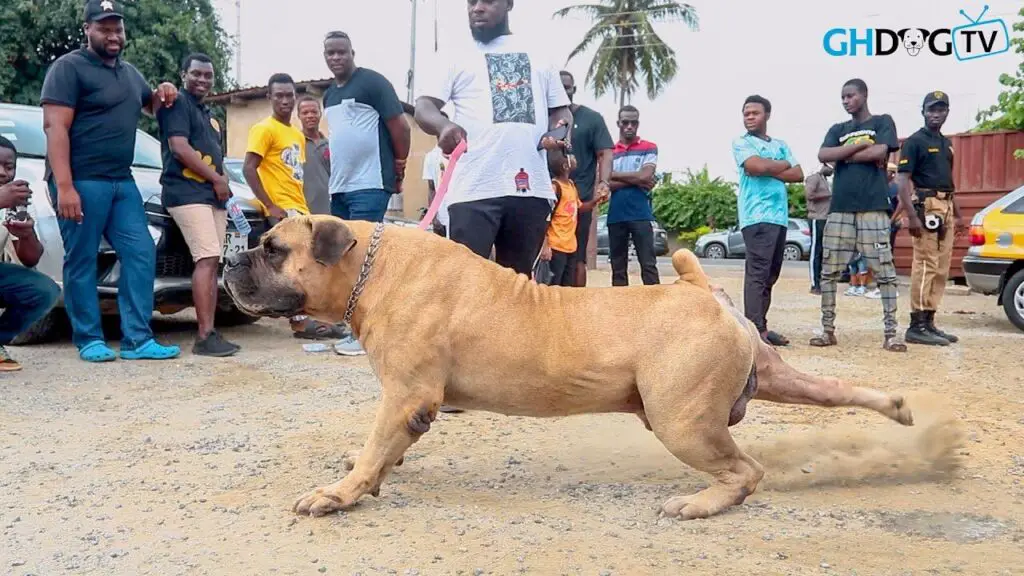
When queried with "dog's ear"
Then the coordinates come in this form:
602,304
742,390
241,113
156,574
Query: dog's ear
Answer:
902,34
924,34
331,240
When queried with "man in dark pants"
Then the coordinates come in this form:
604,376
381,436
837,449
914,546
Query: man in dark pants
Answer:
25,294
592,146
765,165
819,196
92,101
507,94
630,211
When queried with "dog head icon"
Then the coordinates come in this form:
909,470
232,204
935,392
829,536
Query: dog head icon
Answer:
913,39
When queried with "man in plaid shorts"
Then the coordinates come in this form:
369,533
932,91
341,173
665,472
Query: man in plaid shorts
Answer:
858,220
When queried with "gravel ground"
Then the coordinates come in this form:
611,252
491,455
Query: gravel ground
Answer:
191,466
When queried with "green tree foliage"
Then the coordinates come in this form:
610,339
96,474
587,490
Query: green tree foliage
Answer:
34,33
1008,112
797,200
628,48
698,200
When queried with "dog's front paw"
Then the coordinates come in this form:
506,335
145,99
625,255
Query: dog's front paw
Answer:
900,412
319,502
348,460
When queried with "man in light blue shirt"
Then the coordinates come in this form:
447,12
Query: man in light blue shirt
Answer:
765,165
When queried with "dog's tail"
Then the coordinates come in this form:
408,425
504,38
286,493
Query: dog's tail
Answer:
689,269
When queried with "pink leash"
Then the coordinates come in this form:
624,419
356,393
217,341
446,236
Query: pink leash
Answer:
446,179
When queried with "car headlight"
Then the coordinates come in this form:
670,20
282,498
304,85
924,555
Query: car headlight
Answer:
156,233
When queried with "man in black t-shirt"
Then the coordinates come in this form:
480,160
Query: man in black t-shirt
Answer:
927,160
858,218
92,102
195,190
592,148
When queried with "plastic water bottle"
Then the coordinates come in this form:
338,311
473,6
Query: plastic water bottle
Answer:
234,208
315,347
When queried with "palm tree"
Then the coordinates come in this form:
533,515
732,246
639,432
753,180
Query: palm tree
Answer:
628,46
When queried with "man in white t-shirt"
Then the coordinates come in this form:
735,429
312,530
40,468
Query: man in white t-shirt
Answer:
506,94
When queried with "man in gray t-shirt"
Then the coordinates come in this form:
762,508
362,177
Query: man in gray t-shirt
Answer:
819,196
316,172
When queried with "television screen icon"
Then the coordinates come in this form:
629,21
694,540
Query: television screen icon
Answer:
980,38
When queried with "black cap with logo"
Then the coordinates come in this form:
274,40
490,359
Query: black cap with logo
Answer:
936,97
96,10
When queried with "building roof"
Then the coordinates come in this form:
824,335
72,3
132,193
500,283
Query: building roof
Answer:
259,92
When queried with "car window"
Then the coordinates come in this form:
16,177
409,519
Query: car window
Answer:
793,225
24,127
1015,207
234,171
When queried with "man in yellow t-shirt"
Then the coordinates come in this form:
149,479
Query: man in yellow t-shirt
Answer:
273,169
275,154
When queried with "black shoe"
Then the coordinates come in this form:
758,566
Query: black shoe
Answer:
215,346
918,332
450,409
930,324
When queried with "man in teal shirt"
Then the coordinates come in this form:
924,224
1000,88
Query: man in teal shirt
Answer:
765,164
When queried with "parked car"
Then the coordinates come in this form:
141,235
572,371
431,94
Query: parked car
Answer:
660,237
729,243
172,291
994,263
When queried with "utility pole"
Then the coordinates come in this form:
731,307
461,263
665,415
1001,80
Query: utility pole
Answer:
411,78
238,43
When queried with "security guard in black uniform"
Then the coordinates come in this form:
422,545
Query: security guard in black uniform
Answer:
926,159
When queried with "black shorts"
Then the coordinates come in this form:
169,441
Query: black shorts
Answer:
583,222
514,226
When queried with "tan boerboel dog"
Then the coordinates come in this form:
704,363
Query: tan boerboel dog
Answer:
440,324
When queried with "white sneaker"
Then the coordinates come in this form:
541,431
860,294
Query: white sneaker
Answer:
861,290
851,291
875,294
349,346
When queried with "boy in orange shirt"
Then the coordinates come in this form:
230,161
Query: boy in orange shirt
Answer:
560,242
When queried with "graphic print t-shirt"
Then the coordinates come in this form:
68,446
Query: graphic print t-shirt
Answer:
501,92
861,186
283,148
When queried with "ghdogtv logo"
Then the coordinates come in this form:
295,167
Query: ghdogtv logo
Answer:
977,38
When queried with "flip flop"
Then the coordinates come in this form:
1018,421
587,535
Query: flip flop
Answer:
824,340
151,350
314,330
97,352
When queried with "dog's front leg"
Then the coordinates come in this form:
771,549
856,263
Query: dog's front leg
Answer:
403,416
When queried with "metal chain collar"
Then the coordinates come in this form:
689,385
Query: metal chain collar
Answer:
364,272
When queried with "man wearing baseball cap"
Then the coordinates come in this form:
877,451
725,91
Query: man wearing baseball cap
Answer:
92,101
926,160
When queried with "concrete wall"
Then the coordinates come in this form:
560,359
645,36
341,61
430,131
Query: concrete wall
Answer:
242,114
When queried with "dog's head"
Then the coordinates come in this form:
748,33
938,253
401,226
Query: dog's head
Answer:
294,269
913,39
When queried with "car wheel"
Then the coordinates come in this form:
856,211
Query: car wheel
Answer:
1013,299
48,329
233,317
792,252
714,251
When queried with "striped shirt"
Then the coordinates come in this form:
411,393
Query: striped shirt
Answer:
632,203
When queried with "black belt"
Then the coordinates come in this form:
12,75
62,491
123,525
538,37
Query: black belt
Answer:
923,193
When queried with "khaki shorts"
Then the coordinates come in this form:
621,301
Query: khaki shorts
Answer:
203,227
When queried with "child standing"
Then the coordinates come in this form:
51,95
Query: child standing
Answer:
560,242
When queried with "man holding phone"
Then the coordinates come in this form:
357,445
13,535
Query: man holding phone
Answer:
25,295
507,95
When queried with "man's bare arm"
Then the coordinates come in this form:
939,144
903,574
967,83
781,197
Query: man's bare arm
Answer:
192,160
840,153
643,177
401,136
252,178
604,165
758,166
791,175
871,155
428,115
57,126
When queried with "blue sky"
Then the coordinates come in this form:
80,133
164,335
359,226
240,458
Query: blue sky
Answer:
743,47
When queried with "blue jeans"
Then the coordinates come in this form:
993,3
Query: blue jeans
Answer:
369,205
26,296
111,210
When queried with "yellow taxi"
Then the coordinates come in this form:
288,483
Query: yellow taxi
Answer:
994,264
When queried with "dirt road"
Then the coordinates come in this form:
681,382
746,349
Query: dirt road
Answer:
191,467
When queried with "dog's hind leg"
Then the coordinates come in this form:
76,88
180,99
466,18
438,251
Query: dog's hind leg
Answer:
403,416
781,383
